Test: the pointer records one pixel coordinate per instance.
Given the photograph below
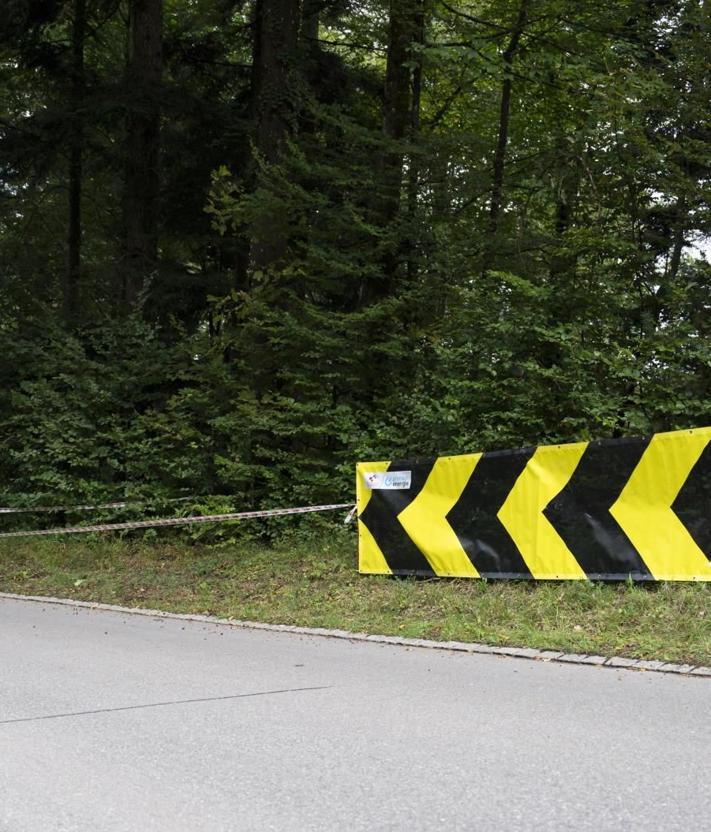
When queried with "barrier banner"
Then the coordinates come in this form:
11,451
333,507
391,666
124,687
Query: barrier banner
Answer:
612,510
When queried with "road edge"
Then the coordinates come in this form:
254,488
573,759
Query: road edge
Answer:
530,653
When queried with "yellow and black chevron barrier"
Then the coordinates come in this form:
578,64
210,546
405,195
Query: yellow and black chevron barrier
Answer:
608,510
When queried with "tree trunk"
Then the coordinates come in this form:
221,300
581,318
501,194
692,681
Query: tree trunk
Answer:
497,187
142,182
413,161
679,240
310,19
310,54
275,104
400,120
70,299
406,21
562,264
415,103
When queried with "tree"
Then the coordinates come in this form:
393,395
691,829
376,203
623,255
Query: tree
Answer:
299,233
142,172
76,151
275,96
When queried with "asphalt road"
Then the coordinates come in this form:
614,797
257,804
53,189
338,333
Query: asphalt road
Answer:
110,721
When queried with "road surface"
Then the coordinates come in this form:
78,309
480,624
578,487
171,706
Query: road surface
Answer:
111,721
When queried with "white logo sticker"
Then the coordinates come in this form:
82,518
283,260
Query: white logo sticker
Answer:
388,479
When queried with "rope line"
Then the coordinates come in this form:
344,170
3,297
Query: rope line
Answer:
117,504
177,521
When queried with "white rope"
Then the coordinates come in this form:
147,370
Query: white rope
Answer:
119,504
177,521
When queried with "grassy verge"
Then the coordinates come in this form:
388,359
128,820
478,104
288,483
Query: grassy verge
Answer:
314,583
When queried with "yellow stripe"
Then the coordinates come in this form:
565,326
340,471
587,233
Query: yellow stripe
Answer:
544,477
644,511
425,519
370,558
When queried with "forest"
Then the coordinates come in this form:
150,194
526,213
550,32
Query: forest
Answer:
246,243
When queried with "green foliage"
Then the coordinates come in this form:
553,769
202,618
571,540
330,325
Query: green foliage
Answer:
583,312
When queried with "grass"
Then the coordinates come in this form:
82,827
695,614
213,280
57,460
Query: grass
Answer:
313,582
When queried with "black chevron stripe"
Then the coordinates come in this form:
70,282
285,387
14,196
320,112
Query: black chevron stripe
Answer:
380,516
581,512
693,503
482,536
